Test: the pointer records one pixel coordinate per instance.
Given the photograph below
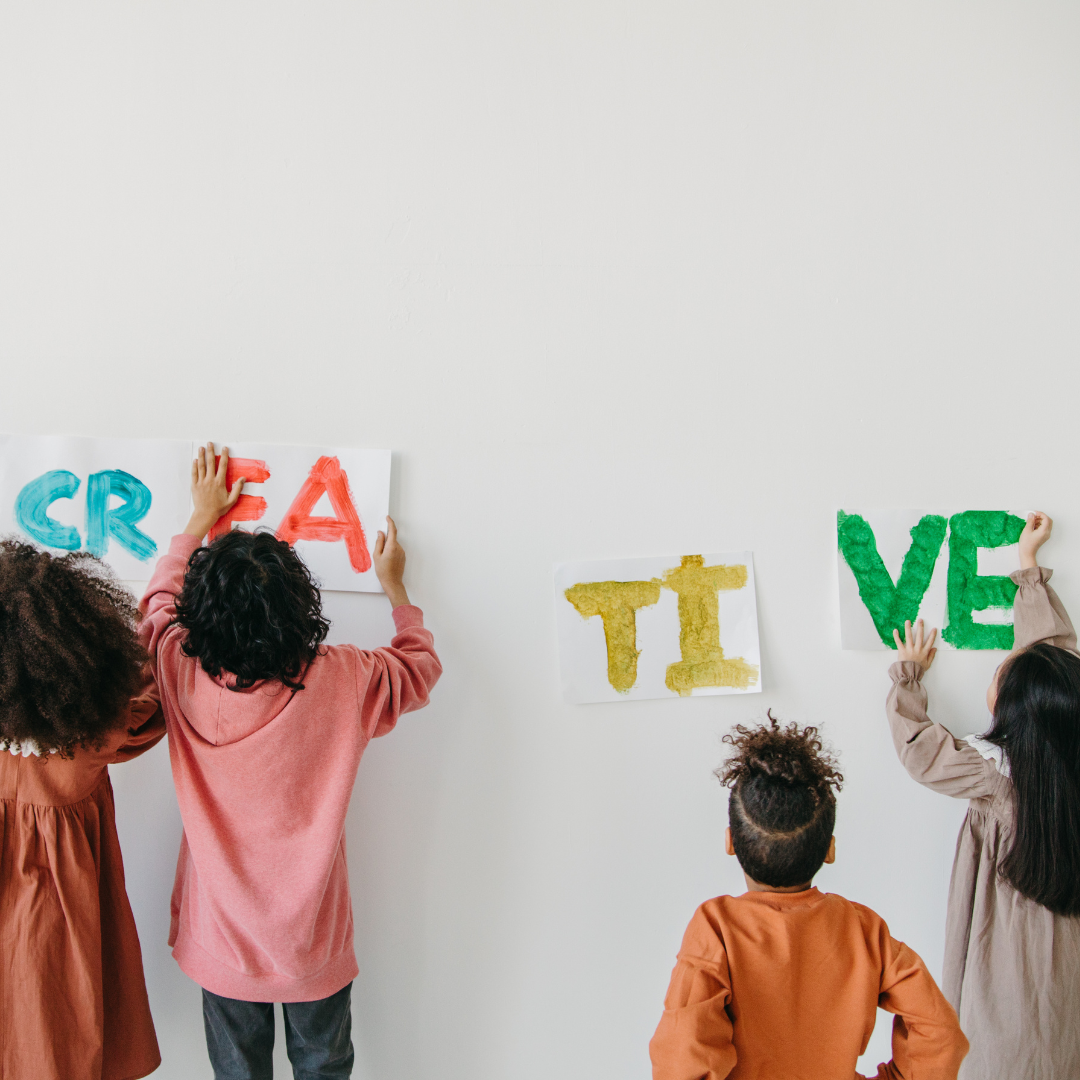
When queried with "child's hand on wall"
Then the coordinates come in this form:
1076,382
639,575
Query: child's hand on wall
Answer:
209,492
389,559
916,646
1036,533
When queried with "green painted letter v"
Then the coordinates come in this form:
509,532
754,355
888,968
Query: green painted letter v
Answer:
889,605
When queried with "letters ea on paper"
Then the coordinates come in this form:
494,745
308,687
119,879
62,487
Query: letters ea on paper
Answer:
949,569
673,626
330,503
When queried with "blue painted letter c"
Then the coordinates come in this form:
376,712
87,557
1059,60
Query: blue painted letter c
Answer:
32,509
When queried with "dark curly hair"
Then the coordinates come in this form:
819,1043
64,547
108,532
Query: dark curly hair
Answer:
69,658
782,807
251,610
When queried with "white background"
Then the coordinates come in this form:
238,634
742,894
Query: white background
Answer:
611,278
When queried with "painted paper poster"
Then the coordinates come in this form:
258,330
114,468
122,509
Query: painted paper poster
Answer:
658,628
329,503
120,499
950,569
124,499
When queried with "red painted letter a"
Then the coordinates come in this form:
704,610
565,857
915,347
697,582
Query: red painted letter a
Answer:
327,476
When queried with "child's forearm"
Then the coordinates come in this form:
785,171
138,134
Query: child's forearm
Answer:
396,594
199,524
158,605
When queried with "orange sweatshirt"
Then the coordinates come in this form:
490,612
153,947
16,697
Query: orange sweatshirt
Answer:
770,985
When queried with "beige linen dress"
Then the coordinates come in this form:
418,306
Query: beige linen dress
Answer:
1012,968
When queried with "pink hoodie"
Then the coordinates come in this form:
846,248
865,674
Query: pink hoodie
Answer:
261,908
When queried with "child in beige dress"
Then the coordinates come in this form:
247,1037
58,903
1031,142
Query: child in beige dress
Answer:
1012,943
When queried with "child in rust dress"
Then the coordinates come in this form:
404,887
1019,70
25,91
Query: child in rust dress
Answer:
74,698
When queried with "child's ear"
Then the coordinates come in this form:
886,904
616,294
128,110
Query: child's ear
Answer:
830,855
729,847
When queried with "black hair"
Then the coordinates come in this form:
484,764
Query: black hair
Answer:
1037,725
251,609
782,807
70,660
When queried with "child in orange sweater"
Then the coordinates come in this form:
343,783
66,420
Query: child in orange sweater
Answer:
785,981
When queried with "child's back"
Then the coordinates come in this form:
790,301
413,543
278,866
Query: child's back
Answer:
264,772
773,984
263,778
75,697
786,981
266,730
1012,934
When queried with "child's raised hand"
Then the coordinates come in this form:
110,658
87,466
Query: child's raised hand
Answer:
209,490
389,559
916,645
1036,533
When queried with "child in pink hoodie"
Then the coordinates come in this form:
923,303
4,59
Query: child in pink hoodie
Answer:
266,729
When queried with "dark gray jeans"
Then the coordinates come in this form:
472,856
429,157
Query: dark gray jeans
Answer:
318,1037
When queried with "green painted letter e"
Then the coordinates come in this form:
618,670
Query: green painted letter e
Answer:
968,592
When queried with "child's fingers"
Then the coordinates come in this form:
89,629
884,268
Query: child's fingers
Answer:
223,465
211,453
391,530
234,494
930,657
380,542
931,639
896,638
194,470
1040,523
907,633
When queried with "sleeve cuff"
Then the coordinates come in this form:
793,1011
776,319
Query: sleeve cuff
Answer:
183,545
1032,575
407,616
905,671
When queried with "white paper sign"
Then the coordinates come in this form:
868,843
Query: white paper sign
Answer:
329,503
658,628
121,499
124,500
948,568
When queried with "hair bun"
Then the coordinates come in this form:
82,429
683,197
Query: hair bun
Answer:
790,754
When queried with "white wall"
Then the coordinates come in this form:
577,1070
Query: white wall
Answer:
613,279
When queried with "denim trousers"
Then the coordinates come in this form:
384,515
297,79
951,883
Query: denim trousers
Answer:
318,1037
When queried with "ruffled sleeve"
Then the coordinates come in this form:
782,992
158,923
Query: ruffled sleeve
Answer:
1038,614
927,750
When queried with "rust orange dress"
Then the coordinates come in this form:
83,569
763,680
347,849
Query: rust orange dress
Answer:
73,1002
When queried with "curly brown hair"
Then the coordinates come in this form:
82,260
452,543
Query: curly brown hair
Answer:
251,610
782,807
69,657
